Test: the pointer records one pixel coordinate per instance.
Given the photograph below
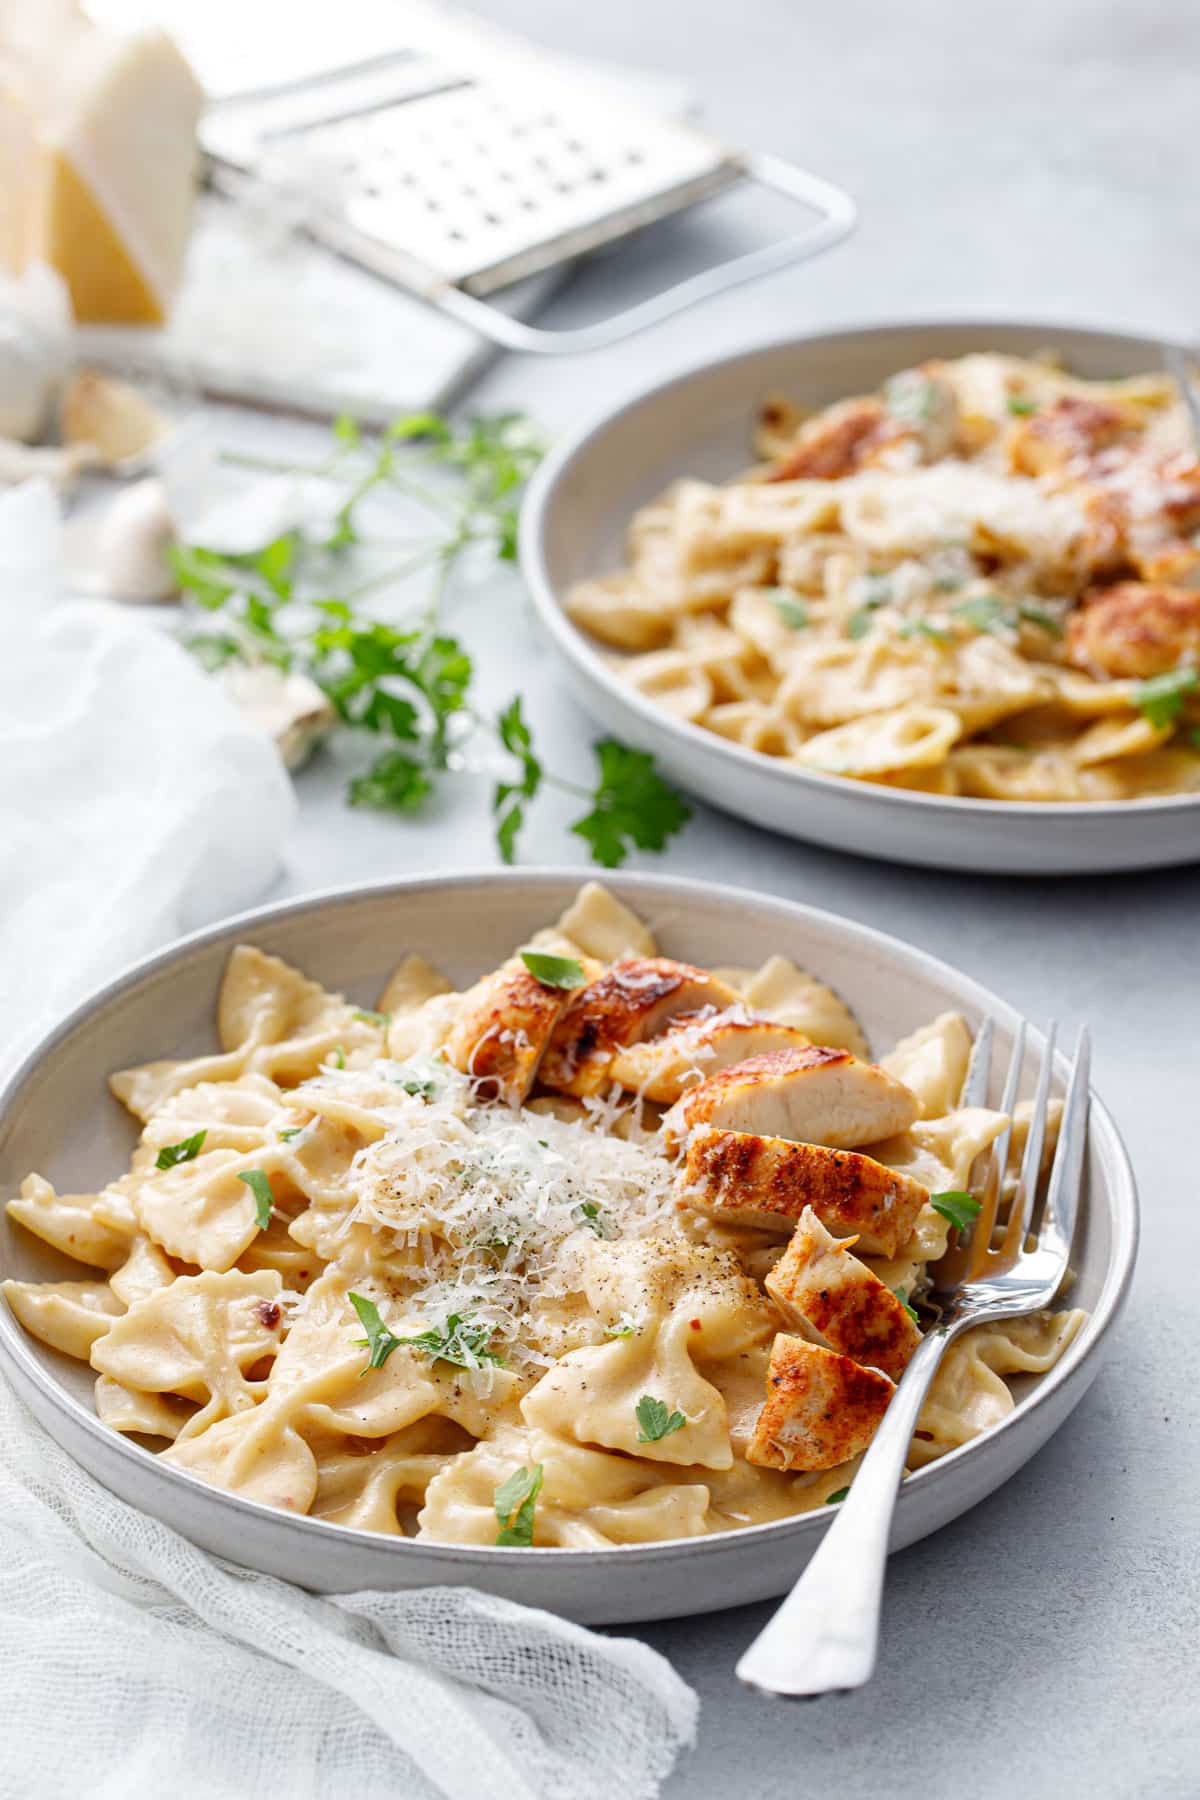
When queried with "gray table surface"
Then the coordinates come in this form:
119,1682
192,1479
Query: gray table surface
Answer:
1032,159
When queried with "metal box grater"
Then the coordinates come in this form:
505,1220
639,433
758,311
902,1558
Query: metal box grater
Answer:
466,161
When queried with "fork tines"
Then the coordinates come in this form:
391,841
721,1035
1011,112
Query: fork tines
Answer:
994,1243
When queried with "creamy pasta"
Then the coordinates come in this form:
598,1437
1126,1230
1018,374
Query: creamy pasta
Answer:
984,580
606,1249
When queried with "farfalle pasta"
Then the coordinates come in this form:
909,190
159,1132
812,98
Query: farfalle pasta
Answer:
983,581
606,1249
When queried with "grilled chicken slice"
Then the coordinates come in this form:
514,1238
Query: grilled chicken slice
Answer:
821,1409
502,1029
1135,630
827,1294
1071,431
767,1182
696,1045
816,1095
634,1000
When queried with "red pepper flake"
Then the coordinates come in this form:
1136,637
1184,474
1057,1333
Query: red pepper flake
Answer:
695,1324
269,1313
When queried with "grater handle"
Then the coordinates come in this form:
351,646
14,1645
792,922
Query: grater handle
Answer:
838,218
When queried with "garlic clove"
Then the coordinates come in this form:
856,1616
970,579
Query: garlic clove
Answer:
131,544
110,415
290,708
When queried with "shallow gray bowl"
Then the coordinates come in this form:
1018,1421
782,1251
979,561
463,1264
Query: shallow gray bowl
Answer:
57,1116
573,526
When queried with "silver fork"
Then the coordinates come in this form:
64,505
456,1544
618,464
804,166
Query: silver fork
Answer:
824,1637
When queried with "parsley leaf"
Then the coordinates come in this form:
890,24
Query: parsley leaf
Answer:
292,1132
337,1057
792,611
595,1219
424,1090
961,1209
372,1018
631,804
184,1152
457,1341
984,612
515,1501
859,623
553,971
1021,405
622,1327
1161,698
833,1499
379,1340
393,783
923,628
902,1297
656,1420
1037,615
260,1186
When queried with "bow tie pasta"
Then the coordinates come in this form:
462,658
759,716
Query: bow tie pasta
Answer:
982,581
606,1249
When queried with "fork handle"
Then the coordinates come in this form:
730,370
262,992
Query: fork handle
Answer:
824,1637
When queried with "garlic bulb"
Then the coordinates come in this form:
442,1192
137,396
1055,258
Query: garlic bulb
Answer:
132,542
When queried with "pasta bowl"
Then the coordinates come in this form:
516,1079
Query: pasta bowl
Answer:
57,1116
698,424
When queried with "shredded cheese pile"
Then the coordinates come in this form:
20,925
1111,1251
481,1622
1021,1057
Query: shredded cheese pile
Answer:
497,1207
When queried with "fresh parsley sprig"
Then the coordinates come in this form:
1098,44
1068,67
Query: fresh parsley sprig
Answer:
656,1420
458,1342
1160,699
379,1341
408,685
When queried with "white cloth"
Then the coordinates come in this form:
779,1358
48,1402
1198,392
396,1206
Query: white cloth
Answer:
133,1664
135,804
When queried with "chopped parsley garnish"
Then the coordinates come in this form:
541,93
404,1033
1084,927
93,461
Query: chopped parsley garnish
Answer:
1160,700
656,1420
183,1152
961,1209
833,1499
1021,405
793,612
1037,615
515,1501
372,1018
458,1342
338,1057
984,612
379,1340
911,397
291,1132
594,1218
859,623
423,1090
553,971
260,1186
622,1327
902,1297
923,628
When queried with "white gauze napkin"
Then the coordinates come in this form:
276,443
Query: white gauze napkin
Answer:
135,804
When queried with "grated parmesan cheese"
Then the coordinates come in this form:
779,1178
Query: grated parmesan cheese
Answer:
496,1208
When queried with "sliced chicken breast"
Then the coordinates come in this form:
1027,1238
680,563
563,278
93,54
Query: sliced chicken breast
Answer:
817,1095
768,1182
829,1295
632,1001
695,1046
502,1029
821,1409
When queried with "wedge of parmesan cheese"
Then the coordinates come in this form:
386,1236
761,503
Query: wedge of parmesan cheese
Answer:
98,164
